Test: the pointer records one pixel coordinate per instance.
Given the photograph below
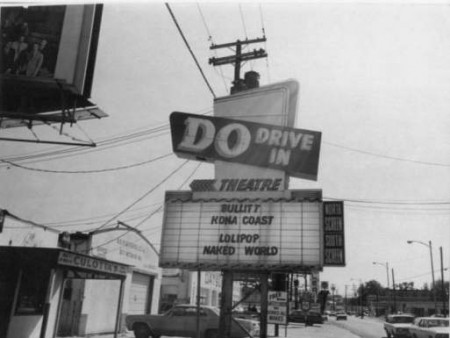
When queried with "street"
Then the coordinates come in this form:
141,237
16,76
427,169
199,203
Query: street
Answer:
365,328
351,328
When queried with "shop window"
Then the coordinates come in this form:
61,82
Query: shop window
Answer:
33,287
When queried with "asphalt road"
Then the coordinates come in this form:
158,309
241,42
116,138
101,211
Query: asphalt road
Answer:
351,328
364,328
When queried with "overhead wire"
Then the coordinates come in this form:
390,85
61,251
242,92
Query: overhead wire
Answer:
386,156
265,42
182,184
150,215
190,50
102,144
141,197
243,21
129,166
210,39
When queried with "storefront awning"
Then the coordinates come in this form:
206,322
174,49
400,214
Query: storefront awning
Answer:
83,266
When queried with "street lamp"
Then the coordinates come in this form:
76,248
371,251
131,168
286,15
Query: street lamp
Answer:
386,265
432,267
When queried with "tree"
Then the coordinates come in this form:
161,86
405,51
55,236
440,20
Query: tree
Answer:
406,286
371,287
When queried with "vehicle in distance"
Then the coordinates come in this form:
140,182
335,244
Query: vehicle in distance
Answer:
430,327
397,325
341,316
181,321
309,317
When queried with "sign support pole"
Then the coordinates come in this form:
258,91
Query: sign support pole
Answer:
226,304
264,280
199,276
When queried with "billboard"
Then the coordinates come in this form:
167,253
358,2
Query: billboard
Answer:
333,225
294,151
241,234
47,57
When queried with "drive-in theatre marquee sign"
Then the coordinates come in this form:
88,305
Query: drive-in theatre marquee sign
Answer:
295,151
241,234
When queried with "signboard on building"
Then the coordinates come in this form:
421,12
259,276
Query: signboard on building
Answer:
294,151
126,246
241,234
91,263
277,310
333,232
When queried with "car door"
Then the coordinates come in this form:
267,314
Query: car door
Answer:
176,323
422,330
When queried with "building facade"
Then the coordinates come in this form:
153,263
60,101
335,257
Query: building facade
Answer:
55,285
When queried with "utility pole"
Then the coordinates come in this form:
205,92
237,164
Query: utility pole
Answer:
393,290
237,59
444,295
251,81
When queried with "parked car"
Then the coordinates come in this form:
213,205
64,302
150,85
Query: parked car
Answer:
430,327
181,321
311,317
341,316
398,325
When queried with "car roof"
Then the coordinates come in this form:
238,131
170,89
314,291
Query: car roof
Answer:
445,318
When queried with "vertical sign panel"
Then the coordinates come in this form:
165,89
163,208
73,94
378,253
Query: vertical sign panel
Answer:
277,308
333,226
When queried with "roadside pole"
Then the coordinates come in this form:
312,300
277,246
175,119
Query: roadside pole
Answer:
264,279
198,302
226,304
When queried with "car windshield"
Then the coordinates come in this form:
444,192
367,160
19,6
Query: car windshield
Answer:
402,319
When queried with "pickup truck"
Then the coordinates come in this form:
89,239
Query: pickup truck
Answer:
181,321
398,325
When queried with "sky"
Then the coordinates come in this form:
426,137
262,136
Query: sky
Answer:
374,80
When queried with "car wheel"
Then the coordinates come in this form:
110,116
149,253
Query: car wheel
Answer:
212,334
141,331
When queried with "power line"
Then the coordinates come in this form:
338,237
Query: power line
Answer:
210,39
129,166
143,196
386,156
149,216
389,202
265,43
243,21
132,136
182,184
190,50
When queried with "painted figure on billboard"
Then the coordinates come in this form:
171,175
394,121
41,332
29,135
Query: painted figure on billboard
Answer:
47,63
25,27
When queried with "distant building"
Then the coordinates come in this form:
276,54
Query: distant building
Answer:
179,286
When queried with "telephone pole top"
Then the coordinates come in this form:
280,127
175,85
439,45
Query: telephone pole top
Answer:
251,78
